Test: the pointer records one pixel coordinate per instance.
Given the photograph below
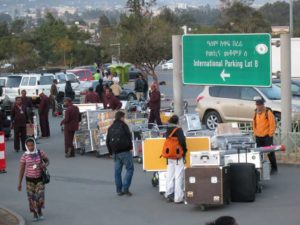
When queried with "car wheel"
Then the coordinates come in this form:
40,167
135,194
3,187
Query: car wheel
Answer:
212,119
131,97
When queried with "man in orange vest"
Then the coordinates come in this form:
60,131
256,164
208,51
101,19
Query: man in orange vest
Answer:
264,127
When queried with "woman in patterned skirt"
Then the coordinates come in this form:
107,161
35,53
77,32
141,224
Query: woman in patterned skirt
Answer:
31,165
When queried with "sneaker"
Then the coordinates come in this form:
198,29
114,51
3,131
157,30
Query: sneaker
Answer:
120,193
41,217
128,193
35,219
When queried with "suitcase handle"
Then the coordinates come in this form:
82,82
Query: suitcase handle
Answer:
204,156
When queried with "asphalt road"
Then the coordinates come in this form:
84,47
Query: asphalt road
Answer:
82,192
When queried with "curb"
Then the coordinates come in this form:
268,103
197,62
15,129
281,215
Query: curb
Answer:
19,217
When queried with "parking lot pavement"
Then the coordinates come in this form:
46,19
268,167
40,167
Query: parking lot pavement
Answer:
82,192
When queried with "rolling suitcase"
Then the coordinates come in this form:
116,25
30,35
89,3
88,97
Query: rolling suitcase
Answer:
207,186
243,181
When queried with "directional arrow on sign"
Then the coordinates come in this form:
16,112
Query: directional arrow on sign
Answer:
224,75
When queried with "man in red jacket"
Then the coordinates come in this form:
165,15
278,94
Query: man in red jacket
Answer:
92,97
44,107
71,123
19,119
111,101
154,105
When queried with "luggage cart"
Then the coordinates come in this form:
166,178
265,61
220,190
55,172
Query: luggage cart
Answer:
139,133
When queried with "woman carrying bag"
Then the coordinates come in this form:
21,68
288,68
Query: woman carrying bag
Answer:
33,163
174,151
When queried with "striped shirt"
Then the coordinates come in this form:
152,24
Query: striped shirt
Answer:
32,164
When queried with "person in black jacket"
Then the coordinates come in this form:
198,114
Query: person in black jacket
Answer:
69,93
175,167
119,144
100,89
139,87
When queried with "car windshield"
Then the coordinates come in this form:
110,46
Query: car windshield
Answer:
272,93
13,81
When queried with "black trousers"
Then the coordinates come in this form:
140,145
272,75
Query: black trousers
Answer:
267,141
155,117
19,134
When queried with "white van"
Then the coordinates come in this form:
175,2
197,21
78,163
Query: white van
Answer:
30,83
3,81
12,88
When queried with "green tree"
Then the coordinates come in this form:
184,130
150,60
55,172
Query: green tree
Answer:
241,18
150,44
276,13
17,26
140,8
4,32
24,57
103,22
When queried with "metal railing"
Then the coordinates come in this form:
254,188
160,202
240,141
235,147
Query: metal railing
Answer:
292,153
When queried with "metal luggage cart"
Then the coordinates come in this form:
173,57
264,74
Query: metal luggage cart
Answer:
90,141
139,133
93,131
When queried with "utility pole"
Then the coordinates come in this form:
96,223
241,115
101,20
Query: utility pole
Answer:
286,105
177,74
291,19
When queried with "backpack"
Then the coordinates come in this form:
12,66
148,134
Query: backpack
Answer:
266,114
118,138
172,148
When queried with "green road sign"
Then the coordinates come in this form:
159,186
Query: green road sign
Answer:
227,59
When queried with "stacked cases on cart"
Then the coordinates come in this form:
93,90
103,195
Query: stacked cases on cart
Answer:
207,180
93,130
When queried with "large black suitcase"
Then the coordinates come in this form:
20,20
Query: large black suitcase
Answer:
243,182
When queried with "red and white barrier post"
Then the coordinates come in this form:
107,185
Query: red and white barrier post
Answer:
2,153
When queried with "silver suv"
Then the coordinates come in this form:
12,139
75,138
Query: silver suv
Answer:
218,104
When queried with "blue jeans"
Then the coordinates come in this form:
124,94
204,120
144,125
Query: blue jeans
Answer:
123,158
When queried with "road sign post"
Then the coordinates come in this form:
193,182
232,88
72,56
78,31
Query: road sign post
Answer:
227,59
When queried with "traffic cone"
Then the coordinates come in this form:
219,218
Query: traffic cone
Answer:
2,153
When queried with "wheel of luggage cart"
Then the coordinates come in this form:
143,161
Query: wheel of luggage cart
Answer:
155,179
140,160
82,151
259,187
98,155
202,207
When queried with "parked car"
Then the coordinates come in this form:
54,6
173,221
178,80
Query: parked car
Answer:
82,74
134,73
126,94
295,86
3,81
12,89
91,68
218,104
167,65
47,79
